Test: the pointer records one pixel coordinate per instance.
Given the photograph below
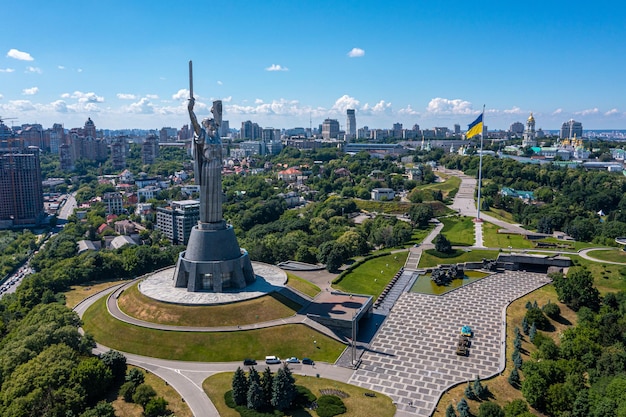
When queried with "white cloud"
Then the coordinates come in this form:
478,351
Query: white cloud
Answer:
356,53
61,67
612,112
79,70
84,97
30,91
281,107
21,105
59,106
557,111
219,82
152,96
33,70
381,106
182,94
258,101
513,110
123,96
7,70
1,96
408,111
143,106
444,106
227,99
276,67
345,102
588,112
22,56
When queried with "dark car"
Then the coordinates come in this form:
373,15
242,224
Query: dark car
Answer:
307,361
249,362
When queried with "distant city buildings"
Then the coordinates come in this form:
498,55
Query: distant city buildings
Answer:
149,150
330,129
21,191
529,133
571,129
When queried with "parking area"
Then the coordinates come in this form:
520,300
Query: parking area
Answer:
413,357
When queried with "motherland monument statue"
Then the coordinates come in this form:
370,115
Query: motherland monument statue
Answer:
213,260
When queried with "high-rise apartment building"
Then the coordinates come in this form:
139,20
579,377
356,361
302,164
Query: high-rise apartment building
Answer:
21,192
177,220
149,150
90,128
330,129
516,129
250,130
350,125
571,129
118,153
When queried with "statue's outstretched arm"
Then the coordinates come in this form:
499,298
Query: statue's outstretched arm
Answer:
194,120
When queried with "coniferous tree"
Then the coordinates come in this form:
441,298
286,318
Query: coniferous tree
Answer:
479,390
463,408
514,377
525,325
240,387
469,393
532,332
267,384
255,396
284,389
450,411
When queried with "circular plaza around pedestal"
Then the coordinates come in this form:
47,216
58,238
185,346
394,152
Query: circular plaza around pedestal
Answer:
160,286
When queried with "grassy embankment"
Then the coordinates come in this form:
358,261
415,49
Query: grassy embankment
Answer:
357,404
372,276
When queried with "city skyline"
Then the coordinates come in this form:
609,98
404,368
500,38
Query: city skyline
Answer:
283,64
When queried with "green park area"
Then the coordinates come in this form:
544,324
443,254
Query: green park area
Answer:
611,255
371,276
458,230
431,258
283,341
356,402
272,306
493,239
424,285
302,285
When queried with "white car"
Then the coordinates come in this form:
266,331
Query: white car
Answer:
293,359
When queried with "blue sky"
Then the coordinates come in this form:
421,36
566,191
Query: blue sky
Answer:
283,63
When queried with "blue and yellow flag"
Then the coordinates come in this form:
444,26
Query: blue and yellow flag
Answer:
475,128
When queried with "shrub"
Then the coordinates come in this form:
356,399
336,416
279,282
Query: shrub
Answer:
535,316
552,310
143,394
127,390
329,406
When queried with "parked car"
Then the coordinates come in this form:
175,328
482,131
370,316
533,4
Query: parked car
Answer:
249,362
270,360
293,359
307,361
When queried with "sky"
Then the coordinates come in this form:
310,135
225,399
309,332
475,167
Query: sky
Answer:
294,63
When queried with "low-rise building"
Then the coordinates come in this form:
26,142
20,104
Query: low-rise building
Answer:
382,194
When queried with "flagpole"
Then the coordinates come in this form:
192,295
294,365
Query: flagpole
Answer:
480,165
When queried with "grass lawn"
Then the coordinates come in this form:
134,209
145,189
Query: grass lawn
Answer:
371,277
500,215
175,401
576,246
458,230
420,234
287,340
502,391
614,255
493,239
424,285
268,307
302,285
450,184
357,404
78,293
606,277
432,258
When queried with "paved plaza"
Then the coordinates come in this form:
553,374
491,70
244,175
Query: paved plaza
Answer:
412,358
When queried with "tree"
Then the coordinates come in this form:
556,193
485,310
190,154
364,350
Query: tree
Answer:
515,408
102,409
267,384
143,394
513,378
127,390
442,244
480,390
534,316
94,377
577,290
156,407
284,389
240,387
490,409
463,408
450,411
255,396
534,389
469,393
330,406
135,376
552,310
532,332
116,363
421,214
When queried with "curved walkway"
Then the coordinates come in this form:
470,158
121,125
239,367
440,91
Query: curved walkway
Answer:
584,253
187,377
115,311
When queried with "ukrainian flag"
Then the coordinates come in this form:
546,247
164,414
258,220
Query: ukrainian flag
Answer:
476,128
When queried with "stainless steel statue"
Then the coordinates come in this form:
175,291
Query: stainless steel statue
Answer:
213,260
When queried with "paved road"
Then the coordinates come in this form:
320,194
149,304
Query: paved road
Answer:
187,377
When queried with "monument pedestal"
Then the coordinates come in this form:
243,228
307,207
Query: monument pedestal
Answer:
213,260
